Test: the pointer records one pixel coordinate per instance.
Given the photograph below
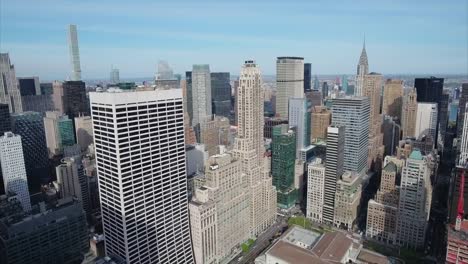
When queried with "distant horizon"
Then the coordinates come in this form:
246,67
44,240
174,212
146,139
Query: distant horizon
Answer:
400,36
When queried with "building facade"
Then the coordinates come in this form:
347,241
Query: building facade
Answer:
289,82
74,53
134,158
5,119
426,121
84,131
315,190
214,133
299,117
362,71
307,77
59,132
462,109
9,89
319,122
199,99
75,102
393,98
347,199
221,94
409,113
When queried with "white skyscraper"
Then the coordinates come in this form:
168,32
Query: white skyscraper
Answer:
201,94
289,82
315,190
9,88
426,120
140,159
299,117
415,201
74,53
464,141
13,168
250,149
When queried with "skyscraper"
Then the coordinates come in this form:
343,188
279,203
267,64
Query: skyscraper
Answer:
59,132
214,133
283,158
13,169
29,86
5,121
164,71
221,94
464,142
150,158
347,199
74,98
289,82
408,114
415,201
333,170
461,111
344,85
307,77
199,99
114,76
393,98
362,71
315,190
299,117
84,131
426,121
353,113
316,83
324,90
250,149
320,120
74,53
9,90
30,126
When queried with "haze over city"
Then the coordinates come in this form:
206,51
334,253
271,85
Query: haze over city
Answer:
410,37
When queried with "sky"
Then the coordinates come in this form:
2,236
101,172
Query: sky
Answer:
402,37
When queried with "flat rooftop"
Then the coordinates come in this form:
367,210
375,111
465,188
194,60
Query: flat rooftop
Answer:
301,237
293,254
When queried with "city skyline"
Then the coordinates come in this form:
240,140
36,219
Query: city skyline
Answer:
135,37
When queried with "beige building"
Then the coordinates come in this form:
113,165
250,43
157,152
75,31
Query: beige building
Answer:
84,131
289,83
215,132
249,148
320,120
347,198
57,95
68,182
219,210
315,190
408,114
382,211
372,88
393,98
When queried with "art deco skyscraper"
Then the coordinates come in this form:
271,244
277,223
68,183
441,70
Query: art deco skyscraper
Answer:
362,70
408,114
140,159
9,89
13,169
250,149
289,82
74,53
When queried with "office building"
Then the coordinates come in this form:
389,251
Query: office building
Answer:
333,170
214,133
271,122
324,90
54,236
5,119
383,209
150,157
219,211
249,148
320,120
74,53
72,181
307,77
315,190
314,98
74,98
344,85
37,103
299,117
353,113
454,193
372,88
84,131
114,76
430,90
409,114
57,96
30,126
415,201
9,90
221,94
188,129
393,98
453,112
59,132
164,71
391,134
347,199
362,71
200,90
13,168
289,82
29,86
46,88
462,109
426,121
283,158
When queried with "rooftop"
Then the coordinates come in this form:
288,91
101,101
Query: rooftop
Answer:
390,167
461,235
301,237
332,246
416,155
368,256
293,254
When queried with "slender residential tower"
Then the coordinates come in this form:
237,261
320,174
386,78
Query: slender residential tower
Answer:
74,53
140,159
250,149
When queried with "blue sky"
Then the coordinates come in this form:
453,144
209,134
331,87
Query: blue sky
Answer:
401,36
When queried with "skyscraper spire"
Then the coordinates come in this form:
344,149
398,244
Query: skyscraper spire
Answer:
363,65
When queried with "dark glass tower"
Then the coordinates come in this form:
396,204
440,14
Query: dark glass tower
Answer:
188,83
74,99
27,86
324,90
221,93
5,123
429,90
307,77
30,126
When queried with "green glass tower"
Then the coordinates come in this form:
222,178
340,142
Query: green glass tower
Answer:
283,148
66,131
